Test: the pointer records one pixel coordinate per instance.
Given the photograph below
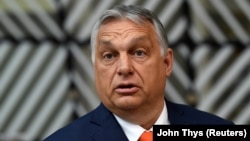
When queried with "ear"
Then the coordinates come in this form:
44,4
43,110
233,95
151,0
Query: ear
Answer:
169,61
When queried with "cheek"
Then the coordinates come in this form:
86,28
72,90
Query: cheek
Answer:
155,65
103,77
154,72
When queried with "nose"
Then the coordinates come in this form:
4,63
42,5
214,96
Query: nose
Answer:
125,66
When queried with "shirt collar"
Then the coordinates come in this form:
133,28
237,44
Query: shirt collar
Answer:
133,131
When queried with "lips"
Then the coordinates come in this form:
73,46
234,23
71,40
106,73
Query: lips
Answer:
126,88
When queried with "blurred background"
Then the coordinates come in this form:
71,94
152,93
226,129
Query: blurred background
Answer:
46,77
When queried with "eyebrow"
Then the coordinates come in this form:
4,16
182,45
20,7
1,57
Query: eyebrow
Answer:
105,42
139,38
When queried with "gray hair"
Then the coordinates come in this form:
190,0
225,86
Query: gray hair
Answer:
136,14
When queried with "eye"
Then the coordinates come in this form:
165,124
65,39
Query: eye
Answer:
108,56
140,53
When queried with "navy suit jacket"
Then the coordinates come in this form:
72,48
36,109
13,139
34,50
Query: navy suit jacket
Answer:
101,125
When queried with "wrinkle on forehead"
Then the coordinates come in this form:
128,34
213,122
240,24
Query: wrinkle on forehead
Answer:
123,34
138,40
108,42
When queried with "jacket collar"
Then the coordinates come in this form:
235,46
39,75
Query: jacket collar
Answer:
177,114
107,127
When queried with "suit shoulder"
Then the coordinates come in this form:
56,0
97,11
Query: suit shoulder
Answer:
195,116
74,130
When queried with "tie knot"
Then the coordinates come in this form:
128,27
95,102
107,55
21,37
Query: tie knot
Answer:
146,136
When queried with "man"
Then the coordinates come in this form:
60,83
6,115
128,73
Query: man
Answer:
132,61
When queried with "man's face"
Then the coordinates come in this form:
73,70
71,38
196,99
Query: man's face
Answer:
130,72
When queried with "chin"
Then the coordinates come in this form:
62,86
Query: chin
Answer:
128,103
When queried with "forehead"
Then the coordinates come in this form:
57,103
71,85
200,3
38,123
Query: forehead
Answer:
125,28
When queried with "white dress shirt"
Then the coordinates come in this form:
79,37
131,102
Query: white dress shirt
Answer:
134,131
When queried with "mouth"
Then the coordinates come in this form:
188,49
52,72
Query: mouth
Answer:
126,88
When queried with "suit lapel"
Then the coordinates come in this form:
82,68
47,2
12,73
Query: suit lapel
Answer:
106,127
176,114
